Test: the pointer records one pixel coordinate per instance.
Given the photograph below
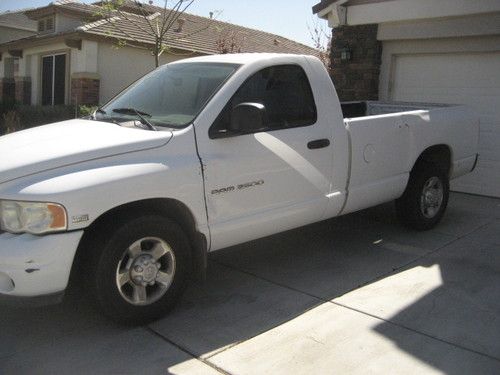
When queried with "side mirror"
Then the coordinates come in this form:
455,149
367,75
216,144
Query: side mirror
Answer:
248,118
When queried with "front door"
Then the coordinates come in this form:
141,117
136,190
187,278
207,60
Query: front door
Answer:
270,179
53,79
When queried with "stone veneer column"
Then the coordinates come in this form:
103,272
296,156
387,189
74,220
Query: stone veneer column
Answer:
358,78
85,88
23,90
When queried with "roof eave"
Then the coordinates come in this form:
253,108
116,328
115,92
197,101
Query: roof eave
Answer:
364,12
38,13
18,27
134,43
317,8
51,9
35,42
335,12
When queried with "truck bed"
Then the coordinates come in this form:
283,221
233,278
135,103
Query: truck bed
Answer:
386,139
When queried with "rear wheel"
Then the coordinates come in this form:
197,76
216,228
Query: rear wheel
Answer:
424,201
139,270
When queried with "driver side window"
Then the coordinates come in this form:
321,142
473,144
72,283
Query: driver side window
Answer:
283,90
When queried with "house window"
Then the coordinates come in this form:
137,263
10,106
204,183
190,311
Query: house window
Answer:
46,25
53,79
41,26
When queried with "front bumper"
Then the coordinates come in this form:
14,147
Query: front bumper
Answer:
36,266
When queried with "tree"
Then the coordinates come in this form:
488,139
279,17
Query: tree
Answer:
322,41
229,41
154,27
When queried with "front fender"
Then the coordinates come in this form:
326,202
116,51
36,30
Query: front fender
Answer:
90,189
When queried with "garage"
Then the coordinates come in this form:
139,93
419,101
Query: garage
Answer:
459,78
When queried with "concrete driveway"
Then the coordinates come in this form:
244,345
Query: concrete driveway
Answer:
357,294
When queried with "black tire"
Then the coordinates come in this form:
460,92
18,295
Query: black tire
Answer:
107,252
409,207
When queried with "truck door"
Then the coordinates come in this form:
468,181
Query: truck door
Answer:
262,181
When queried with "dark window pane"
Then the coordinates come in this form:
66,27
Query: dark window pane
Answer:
60,79
47,70
49,24
285,92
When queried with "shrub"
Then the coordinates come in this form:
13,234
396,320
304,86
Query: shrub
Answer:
24,116
7,105
10,122
14,117
86,110
39,115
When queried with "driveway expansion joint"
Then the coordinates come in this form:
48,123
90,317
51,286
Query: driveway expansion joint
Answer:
183,349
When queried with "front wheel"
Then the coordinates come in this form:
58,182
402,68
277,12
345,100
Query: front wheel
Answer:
139,270
425,199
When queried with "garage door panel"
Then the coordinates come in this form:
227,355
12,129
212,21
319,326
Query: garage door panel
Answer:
489,146
479,102
461,78
489,125
488,172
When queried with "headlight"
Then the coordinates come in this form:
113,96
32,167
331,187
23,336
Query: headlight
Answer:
32,217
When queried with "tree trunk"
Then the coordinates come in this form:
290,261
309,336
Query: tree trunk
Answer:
156,52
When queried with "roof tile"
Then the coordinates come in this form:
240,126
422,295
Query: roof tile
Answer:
198,34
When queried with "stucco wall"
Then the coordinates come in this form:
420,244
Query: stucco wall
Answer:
85,59
404,10
485,24
119,67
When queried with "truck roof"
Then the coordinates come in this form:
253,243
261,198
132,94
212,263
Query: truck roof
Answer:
244,58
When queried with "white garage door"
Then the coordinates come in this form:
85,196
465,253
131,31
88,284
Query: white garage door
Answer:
459,78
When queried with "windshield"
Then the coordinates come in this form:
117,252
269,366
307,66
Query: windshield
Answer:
171,95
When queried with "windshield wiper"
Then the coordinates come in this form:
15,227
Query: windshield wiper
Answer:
102,111
140,114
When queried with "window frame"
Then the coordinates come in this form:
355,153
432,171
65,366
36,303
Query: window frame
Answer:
215,134
66,76
42,25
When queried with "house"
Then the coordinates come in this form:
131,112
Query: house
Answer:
445,51
79,57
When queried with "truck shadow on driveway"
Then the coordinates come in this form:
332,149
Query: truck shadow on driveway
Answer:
364,263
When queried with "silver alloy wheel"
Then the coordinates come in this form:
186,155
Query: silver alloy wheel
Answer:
146,271
432,197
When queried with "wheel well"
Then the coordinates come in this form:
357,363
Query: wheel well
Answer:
439,155
171,208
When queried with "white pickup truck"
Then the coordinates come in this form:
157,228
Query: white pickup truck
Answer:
202,154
